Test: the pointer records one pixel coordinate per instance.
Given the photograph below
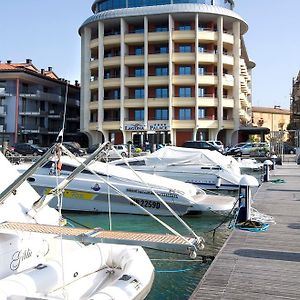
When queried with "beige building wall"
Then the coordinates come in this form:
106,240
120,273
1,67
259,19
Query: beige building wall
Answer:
273,118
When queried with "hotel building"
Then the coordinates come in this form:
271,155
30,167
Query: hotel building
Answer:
164,71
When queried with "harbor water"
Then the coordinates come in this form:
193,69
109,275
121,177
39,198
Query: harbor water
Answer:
176,275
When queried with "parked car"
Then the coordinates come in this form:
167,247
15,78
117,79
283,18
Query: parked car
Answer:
217,144
73,147
288,149
253,149
29,149
200,145
232,150
121,150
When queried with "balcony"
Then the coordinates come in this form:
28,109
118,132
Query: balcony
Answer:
158,36
207,123
158,80
228,38
207,100
134,81
134,38
158,102
111,82
55,114
228,124
111,125
207,36
184,79
228,102
184,35
112,61
94,64
228,80
208,79
228,59
184,57
134,60
38,113
94,84
158,58
93,105
184,101
94,43
183,124
133,103
112,103
34,130
208,57
112,40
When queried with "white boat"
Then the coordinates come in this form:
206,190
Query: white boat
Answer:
249,164
205,168
129,192
41,259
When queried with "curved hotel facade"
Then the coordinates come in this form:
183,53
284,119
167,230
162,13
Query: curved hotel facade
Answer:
164,71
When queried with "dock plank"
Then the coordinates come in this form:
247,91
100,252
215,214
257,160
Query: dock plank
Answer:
262,265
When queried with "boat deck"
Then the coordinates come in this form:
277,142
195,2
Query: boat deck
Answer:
167,242
264,265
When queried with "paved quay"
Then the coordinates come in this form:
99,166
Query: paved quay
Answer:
264,265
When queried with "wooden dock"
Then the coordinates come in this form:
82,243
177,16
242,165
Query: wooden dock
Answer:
263,265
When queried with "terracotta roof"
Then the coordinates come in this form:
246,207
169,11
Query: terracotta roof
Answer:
270,110
27,67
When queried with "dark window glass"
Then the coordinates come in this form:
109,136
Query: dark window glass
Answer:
139,115
185,92
162,114
161,93
161,71
185,48
185,114
139,93
185,70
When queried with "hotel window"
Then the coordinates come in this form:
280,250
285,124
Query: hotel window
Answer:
201,48
201,92
161,93
161,114
202,70
185,70
139,115
139,51
161,71
185,48
185,92
138,30
161,28
139,72
185,114
201,113
116,94
184,26
162,49
139,93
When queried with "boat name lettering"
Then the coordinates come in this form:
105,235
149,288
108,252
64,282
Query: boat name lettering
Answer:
146,203
134,127
18,257
169,195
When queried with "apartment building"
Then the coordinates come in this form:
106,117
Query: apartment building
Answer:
164,71
32,104
295,103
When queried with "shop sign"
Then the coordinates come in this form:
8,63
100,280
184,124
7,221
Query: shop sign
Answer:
134,127
159,127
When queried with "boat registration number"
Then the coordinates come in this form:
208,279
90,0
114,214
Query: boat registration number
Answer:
147,203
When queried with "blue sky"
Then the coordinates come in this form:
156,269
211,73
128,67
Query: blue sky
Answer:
47,32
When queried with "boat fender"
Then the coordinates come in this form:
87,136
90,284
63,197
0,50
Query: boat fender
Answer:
218,182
